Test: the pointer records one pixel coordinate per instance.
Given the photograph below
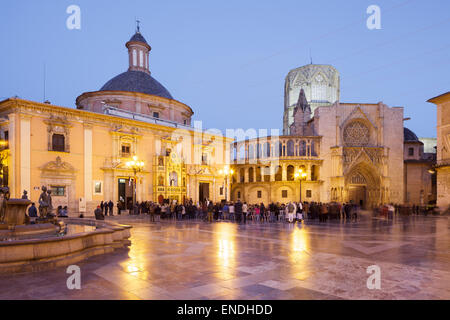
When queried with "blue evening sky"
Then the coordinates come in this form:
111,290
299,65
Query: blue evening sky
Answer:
228,59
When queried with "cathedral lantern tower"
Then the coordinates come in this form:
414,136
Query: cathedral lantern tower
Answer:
138,52
321,87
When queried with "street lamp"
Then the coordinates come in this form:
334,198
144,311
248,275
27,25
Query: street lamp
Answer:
226,171
137,166
300,175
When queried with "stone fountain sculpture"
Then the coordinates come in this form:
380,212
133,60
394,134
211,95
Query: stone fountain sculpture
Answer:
12,211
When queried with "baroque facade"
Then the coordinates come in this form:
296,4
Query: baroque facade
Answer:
350,152
443,150
81,154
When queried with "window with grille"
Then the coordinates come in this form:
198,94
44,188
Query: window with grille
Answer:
284,193
58,191
126,150
58,142
259,194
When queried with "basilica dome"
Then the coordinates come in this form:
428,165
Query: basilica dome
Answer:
136,91
137,81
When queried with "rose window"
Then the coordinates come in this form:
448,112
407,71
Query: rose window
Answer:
356,134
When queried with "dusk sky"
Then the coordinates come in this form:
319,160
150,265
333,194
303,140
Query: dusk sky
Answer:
228,59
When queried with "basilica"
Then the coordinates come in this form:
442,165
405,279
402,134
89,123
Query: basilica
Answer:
83,155
334,151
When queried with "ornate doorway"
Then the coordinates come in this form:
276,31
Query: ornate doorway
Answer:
357,195
363,186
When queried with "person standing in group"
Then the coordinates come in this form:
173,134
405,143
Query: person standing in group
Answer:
245,211
210,210
299,212
238,211
111,207
225,210
231,207
291,211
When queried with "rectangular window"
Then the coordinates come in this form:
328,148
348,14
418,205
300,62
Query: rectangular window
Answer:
284,193
155,114
58,191
239,194
221,191
411,151
308,193
204,158
58,142
126,150
259,194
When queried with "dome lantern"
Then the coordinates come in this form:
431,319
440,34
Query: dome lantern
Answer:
138,52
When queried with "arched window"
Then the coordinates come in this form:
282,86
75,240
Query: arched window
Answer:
302,148
290,173
279,174
58,142
242,175
313,172
251,175
267,174
258,151
242,154
258,174
290,148
251,152
266,150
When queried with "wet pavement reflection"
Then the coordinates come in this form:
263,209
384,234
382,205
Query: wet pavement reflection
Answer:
223,260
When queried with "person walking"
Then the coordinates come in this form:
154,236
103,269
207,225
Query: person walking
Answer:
245,211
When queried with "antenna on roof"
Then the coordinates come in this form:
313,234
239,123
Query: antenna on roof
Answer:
44,79
310,56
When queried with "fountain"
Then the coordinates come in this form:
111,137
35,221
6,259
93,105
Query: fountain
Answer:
48,242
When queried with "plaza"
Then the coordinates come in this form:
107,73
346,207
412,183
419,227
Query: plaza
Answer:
192,259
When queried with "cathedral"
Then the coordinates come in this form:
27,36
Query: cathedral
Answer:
334,151
85,155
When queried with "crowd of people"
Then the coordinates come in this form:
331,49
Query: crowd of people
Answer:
236,211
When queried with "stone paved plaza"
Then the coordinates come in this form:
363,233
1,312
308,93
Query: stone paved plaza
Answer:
223,260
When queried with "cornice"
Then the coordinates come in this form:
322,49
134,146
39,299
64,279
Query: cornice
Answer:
42,109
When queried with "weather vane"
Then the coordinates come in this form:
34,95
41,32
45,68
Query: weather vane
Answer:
137,26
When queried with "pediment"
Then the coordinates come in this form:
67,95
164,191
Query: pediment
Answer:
358,113
58,167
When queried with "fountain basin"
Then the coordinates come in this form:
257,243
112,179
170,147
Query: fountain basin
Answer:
43,253
15,211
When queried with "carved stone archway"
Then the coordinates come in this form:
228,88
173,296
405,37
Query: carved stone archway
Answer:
363,185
